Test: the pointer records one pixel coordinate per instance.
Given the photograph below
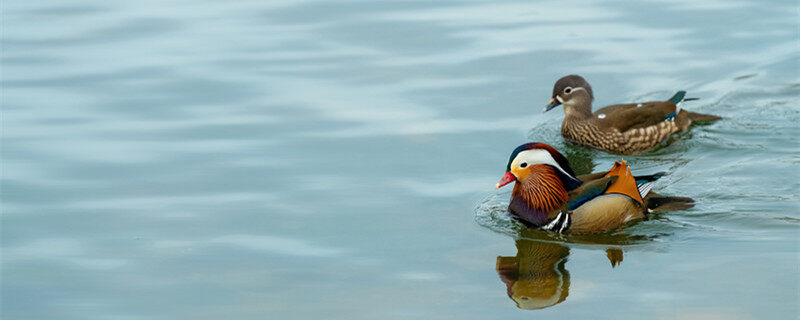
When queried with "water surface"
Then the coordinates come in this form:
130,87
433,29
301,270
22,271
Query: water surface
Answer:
304,159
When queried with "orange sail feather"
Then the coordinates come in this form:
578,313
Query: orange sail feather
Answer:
626,183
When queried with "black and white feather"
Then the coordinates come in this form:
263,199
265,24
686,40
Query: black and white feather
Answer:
644,188
559,224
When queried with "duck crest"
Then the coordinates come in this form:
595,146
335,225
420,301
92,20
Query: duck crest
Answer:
541,194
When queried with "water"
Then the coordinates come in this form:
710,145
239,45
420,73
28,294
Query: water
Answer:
303,160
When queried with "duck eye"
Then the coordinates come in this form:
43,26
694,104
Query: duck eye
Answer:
523,165
567,90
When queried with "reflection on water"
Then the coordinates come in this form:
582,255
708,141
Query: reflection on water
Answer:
614,256
537,276
197,159
580,158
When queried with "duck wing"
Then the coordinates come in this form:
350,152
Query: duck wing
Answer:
589,191
626,183
595,184
586,178
624,117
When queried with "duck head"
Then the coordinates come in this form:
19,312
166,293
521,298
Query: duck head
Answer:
543,179
528,160
574,93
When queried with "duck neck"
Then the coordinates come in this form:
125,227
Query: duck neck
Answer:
539,196
578,108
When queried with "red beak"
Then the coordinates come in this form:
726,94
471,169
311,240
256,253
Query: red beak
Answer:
506,179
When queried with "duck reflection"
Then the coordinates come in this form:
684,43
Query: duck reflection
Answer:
536,277
581,159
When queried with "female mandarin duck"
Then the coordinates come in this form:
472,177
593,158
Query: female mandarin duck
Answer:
547,194
623,128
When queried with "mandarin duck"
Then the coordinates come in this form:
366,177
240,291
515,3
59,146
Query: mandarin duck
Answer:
548,195
623,128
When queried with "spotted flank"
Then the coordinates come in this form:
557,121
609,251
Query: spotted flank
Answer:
627,142
559,224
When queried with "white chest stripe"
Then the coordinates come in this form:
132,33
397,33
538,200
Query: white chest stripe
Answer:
559,224
552,225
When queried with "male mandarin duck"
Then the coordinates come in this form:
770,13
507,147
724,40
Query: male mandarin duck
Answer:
623,128
547,194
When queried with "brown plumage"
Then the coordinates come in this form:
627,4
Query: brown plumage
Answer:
543,189
623,128
546,194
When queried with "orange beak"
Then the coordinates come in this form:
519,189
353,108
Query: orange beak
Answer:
506,179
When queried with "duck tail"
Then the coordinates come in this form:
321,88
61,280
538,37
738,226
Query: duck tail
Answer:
678,97
682,120
657,202
645,183
648,178
694,116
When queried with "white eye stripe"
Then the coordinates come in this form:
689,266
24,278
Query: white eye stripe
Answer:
537,156
572,90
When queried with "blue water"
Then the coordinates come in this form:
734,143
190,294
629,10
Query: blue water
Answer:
336,160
